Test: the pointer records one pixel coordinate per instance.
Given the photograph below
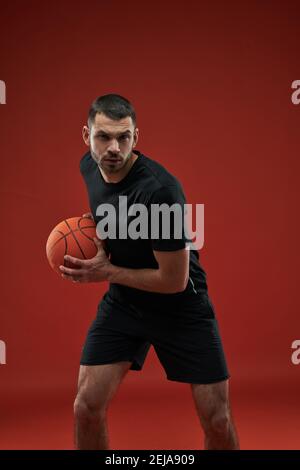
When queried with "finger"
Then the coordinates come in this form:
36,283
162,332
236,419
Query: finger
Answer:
101,245
88,215
71,272
76,261
69,278
98,243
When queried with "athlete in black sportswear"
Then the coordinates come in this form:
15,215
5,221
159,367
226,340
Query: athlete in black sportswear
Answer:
157,288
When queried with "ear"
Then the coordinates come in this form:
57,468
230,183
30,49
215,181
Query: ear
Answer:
86,135
136,137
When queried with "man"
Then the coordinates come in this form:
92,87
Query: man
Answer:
157,293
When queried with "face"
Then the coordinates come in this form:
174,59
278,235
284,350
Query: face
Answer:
111,142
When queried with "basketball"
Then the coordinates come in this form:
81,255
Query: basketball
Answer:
72,237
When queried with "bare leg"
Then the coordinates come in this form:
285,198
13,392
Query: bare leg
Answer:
96,387
213,409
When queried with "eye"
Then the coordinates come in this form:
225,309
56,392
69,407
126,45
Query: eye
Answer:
124,137
103,137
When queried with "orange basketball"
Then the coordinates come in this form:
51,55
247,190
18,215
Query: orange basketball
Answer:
72,237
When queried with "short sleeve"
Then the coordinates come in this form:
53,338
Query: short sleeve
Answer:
84,163
167,216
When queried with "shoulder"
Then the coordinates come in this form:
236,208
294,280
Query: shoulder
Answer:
86,163
168,194
160,181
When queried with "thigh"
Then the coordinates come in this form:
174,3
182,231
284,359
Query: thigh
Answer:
209,396
116,335
98,384
211,400
188,344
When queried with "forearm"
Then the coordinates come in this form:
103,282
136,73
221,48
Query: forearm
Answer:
151,280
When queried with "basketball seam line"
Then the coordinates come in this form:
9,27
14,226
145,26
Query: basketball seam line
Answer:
80,228
75,239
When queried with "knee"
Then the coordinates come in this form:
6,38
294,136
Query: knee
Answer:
87,410
219,422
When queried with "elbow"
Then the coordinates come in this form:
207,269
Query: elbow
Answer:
178,285
183,284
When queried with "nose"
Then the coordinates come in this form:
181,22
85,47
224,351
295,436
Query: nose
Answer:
114,146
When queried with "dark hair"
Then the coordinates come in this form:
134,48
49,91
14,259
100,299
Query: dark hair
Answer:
113,106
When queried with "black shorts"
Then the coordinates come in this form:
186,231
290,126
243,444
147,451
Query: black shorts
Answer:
186,339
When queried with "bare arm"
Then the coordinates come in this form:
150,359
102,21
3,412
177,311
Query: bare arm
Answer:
170,277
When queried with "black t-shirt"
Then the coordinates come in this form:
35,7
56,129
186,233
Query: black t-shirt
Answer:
147,182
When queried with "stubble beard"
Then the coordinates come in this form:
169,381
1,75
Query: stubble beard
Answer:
111,169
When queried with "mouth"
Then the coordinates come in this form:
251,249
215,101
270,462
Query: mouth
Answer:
112,160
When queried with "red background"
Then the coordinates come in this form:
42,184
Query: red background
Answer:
211,84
